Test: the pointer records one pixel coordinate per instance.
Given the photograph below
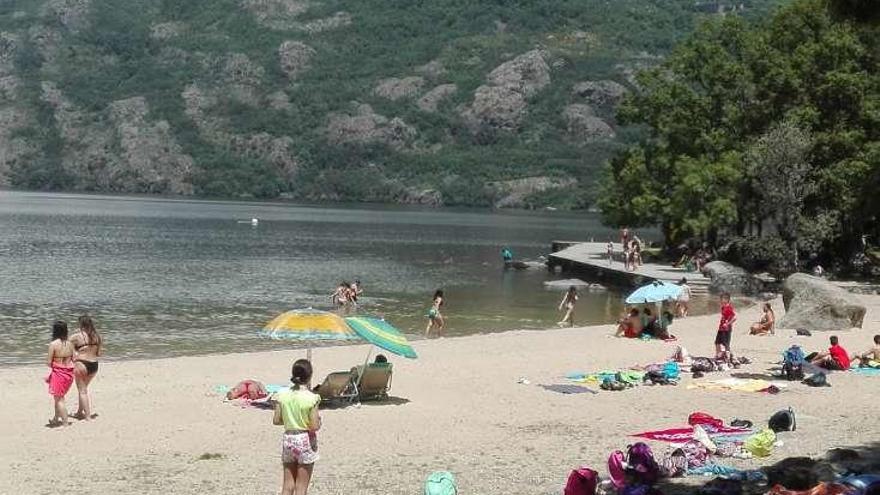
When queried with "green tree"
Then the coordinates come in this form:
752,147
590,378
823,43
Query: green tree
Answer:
779,165
734,83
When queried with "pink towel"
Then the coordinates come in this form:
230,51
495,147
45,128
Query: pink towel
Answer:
60,379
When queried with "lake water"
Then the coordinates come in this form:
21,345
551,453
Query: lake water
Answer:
174,277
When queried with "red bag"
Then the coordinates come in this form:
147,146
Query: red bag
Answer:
701,418
582,481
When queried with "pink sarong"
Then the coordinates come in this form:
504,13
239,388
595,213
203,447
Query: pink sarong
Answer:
60,379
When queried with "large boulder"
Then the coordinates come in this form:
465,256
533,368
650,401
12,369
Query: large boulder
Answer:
600,93
814,303
395,88
725,277
431,99
526,74
294,58
583,125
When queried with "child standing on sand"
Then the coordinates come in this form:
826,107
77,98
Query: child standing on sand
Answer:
297,410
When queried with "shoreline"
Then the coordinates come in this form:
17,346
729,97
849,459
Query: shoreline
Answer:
743,302
459,407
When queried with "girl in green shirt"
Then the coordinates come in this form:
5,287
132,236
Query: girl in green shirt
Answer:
297,410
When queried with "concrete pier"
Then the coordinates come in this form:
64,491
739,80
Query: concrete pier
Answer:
589,260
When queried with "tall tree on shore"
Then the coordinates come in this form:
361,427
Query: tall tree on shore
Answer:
779,166
730,85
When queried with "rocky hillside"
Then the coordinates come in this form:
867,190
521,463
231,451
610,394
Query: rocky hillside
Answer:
444,102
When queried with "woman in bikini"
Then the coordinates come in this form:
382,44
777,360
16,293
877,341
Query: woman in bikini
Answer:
60,362
88,345
435,318
767,323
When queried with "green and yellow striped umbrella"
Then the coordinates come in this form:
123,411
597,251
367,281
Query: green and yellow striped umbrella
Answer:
308,325
381,334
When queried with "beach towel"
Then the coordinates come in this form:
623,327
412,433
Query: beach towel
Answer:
568,389
625,376
60,379
866,371
682,435
736,384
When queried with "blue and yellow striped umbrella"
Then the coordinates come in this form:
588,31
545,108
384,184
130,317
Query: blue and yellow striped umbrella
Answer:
381,334
308,325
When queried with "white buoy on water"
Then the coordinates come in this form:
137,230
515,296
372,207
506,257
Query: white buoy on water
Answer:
255,222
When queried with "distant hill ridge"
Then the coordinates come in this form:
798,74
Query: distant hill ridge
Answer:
509,104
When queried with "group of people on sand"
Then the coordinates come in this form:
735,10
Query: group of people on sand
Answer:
345,297
72,358
836,358
644,323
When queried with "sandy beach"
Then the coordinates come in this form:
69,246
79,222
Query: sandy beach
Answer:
459,407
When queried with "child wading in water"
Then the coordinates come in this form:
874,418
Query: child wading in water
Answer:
568,302
297,409
435,318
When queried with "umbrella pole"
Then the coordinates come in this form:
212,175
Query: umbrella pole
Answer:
364,369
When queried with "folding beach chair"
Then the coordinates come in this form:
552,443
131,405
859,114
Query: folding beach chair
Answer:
375,382
340,386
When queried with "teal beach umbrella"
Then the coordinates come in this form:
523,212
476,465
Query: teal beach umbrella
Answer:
381,334
654,292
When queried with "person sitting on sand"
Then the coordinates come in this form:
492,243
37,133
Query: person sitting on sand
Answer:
629,325
380,362
766,324
648,319
872,355
89,346
835,358
568,302
60,362
659,327
297,410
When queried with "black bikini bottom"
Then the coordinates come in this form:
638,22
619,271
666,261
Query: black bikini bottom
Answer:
91,366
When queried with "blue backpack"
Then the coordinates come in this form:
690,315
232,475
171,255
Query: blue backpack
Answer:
440,483
793,360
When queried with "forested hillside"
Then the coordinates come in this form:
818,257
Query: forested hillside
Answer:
505,103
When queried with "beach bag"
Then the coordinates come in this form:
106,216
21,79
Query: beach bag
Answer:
782,421
760,444
674,464
703,364
703,419
817,380
617,469
441,483
581,481
642,464
792,363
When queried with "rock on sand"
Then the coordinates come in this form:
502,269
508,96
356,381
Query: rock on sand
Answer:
814,303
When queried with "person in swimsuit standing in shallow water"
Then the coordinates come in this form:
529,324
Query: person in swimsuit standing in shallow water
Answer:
435,318
89,346
60,362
